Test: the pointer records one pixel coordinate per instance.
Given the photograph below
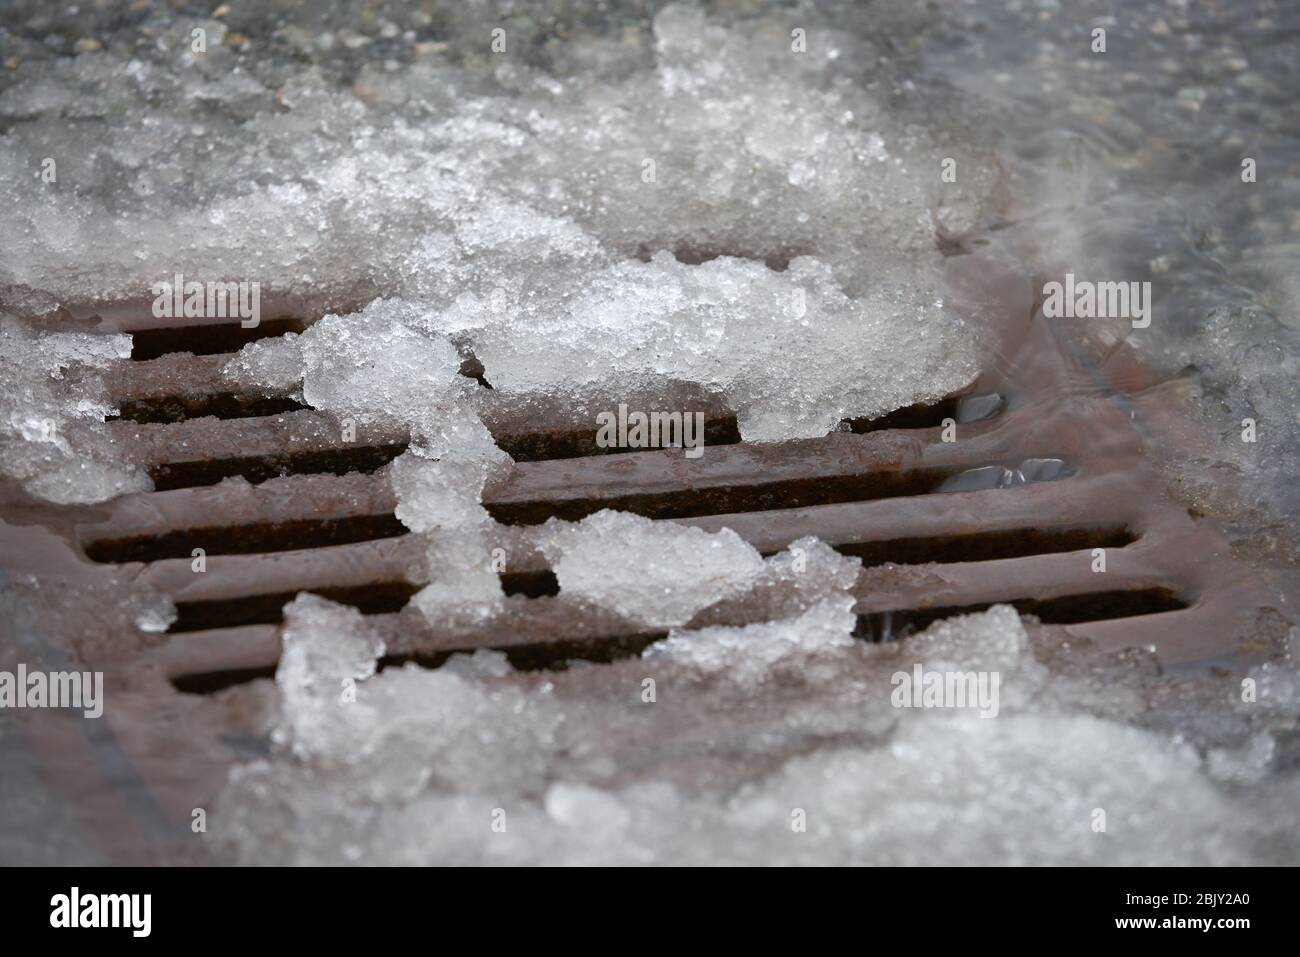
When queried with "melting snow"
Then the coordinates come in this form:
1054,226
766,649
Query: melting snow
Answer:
691,203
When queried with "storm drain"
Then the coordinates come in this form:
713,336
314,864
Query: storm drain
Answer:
1003,494
1033,487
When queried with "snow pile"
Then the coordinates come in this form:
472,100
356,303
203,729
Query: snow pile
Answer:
790,351
343,182
477,763
508,207
794,276
376,366
320,664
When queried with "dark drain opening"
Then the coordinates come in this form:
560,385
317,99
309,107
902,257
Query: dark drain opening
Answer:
174,475
545,656
210,682
550,656
222,405
959,408
1062,610
724,430
530,584
986,546
206,340
728,499
263,537
912,417
555,656
268,609
371,599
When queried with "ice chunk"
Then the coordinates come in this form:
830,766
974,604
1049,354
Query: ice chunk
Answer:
656,573
327,648
439,484
465,591
377,367
158,616
274,365
52,438
440,480
807,572
790,350
752,653
792,582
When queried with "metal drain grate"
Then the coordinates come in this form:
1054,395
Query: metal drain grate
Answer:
1010,513
1050,463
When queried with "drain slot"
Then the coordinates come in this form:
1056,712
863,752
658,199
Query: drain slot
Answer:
371,599
174,475
206,340
724,430
210,682
986,546
545,656
268,609
722,500
222,405
1063,610
550,656
247,539
537,584
959,408
556,655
